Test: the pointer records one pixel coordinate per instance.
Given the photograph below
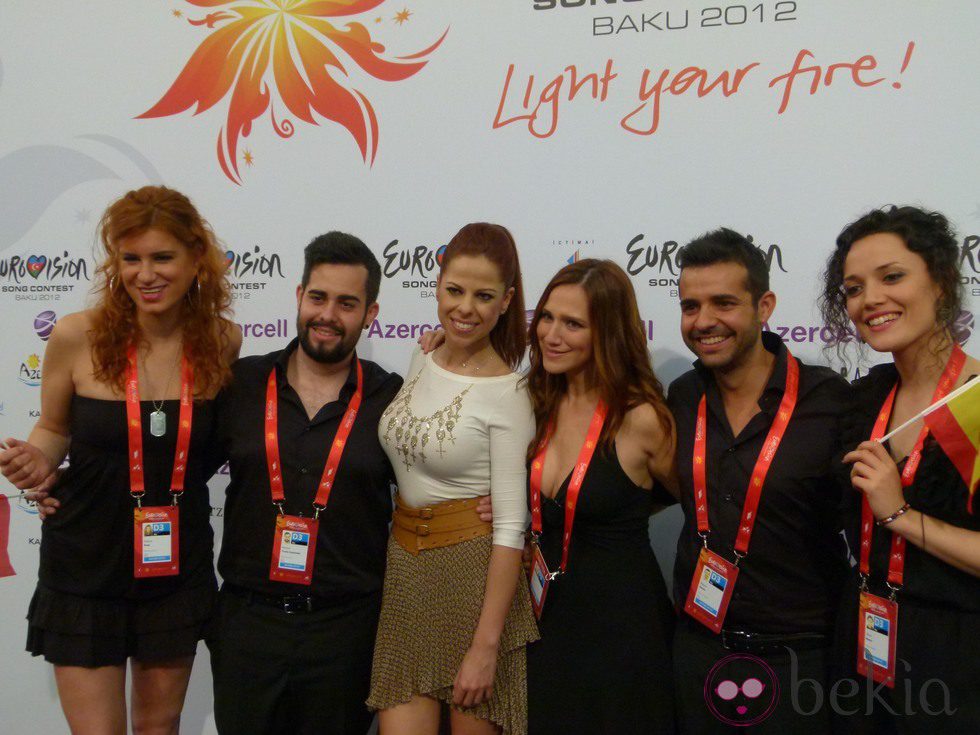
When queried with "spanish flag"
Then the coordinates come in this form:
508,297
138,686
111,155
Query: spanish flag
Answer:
956,426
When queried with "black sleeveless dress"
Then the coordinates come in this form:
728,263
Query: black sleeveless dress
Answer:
88,609
938,647
603,662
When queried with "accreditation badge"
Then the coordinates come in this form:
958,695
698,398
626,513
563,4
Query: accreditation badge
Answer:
711,590
877,636
293,550
539,579
156,541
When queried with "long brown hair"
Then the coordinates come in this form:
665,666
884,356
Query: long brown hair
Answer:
620,369
495,243
205,307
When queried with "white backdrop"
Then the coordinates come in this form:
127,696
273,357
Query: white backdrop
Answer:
693,119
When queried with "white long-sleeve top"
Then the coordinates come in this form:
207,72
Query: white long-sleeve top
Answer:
451,437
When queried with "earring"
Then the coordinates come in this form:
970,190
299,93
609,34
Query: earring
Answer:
196,290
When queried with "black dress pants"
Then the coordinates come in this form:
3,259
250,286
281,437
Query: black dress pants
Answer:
723,691
297,673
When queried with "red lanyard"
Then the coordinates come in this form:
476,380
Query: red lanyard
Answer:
134,421
896,562
574,484
336,448
762,464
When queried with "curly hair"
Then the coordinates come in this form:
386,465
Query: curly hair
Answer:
204,310
928,234
620,369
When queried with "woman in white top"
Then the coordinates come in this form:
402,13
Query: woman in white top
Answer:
454,621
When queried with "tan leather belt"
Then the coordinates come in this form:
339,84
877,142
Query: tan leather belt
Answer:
435,526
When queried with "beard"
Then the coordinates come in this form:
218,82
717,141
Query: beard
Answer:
322,354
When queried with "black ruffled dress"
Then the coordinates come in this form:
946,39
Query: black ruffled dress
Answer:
88,609
938,649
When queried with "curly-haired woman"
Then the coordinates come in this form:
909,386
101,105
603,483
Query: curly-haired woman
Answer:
126,564
895,275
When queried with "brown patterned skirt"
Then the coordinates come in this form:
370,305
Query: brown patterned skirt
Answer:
429,612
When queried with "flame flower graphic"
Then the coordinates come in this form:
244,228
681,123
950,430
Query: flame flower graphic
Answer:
288,45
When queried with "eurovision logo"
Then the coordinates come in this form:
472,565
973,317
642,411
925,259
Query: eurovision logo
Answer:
251,270
418,266
41,277
264,54
662,257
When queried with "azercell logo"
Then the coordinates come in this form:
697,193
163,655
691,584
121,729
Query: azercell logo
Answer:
399,331
44,324
810,334
276,329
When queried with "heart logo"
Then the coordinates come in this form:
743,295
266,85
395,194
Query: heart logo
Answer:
229,258
35,264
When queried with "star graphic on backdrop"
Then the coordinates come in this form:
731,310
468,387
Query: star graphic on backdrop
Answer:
176,13
278,58
82,216
402,16
248,157
378,19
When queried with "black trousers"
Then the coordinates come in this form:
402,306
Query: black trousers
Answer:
718,690
276,672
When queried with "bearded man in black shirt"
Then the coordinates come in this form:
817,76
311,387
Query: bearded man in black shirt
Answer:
760,562
294,634
292,653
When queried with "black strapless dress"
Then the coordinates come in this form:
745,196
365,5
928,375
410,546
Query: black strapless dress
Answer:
603,662
88,609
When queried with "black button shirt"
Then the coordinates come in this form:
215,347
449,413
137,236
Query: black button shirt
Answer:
791,580
353,533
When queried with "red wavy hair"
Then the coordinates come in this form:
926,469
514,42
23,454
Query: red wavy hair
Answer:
205,308
620,370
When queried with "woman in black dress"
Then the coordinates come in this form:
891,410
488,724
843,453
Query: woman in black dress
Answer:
895,275
131,378
603,662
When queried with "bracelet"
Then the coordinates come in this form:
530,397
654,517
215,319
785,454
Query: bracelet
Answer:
901,511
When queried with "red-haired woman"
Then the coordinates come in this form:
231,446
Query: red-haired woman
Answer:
454,621
126,564
600,462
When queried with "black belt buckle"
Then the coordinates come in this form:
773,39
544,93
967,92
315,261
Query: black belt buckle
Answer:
293,604
762,644
738,641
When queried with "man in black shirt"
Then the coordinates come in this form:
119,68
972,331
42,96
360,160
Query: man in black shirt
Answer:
288,656
782,600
